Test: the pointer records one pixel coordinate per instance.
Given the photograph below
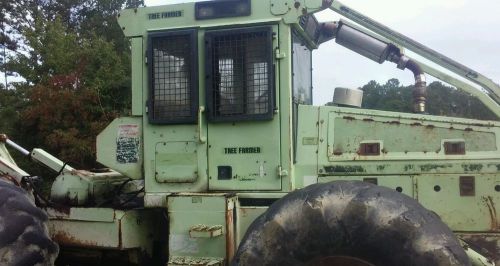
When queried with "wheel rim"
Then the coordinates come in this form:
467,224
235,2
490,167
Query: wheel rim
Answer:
339,261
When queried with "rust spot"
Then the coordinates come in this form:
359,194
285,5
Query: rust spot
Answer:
469,129
480,125
337,152
64,239
368,120
10,179
493,213
416,124
230,245
350,118
244,211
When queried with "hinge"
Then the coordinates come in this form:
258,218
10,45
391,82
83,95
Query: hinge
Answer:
281,172
279,54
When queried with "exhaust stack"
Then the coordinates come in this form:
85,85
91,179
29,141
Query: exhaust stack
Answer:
377,50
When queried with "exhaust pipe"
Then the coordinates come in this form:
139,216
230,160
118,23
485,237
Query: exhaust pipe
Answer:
377,50
420,89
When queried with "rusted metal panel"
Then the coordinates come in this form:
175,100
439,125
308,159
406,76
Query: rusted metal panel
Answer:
116,229
85,234
230,244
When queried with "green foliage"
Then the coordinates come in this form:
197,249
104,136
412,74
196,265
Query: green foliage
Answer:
76,64
11,102
441,100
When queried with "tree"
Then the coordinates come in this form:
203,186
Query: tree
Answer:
75,62
79,86
441,100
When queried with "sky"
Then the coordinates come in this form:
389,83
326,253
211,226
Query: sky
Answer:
465,30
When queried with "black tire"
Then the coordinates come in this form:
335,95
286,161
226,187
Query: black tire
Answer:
347,223
24,238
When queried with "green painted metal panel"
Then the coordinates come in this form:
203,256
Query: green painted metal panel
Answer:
94,214
244,218
398,157
136,22
472,213
306,146
403,184
284,92
169,149
250,171
119,146
176,162
405,136
137,59
186,212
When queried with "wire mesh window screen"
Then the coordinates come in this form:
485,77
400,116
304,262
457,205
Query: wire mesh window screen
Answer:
239,66
173,97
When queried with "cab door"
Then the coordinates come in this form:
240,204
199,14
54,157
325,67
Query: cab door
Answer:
174,154
243,128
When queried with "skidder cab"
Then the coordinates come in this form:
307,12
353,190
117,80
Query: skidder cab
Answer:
234,165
